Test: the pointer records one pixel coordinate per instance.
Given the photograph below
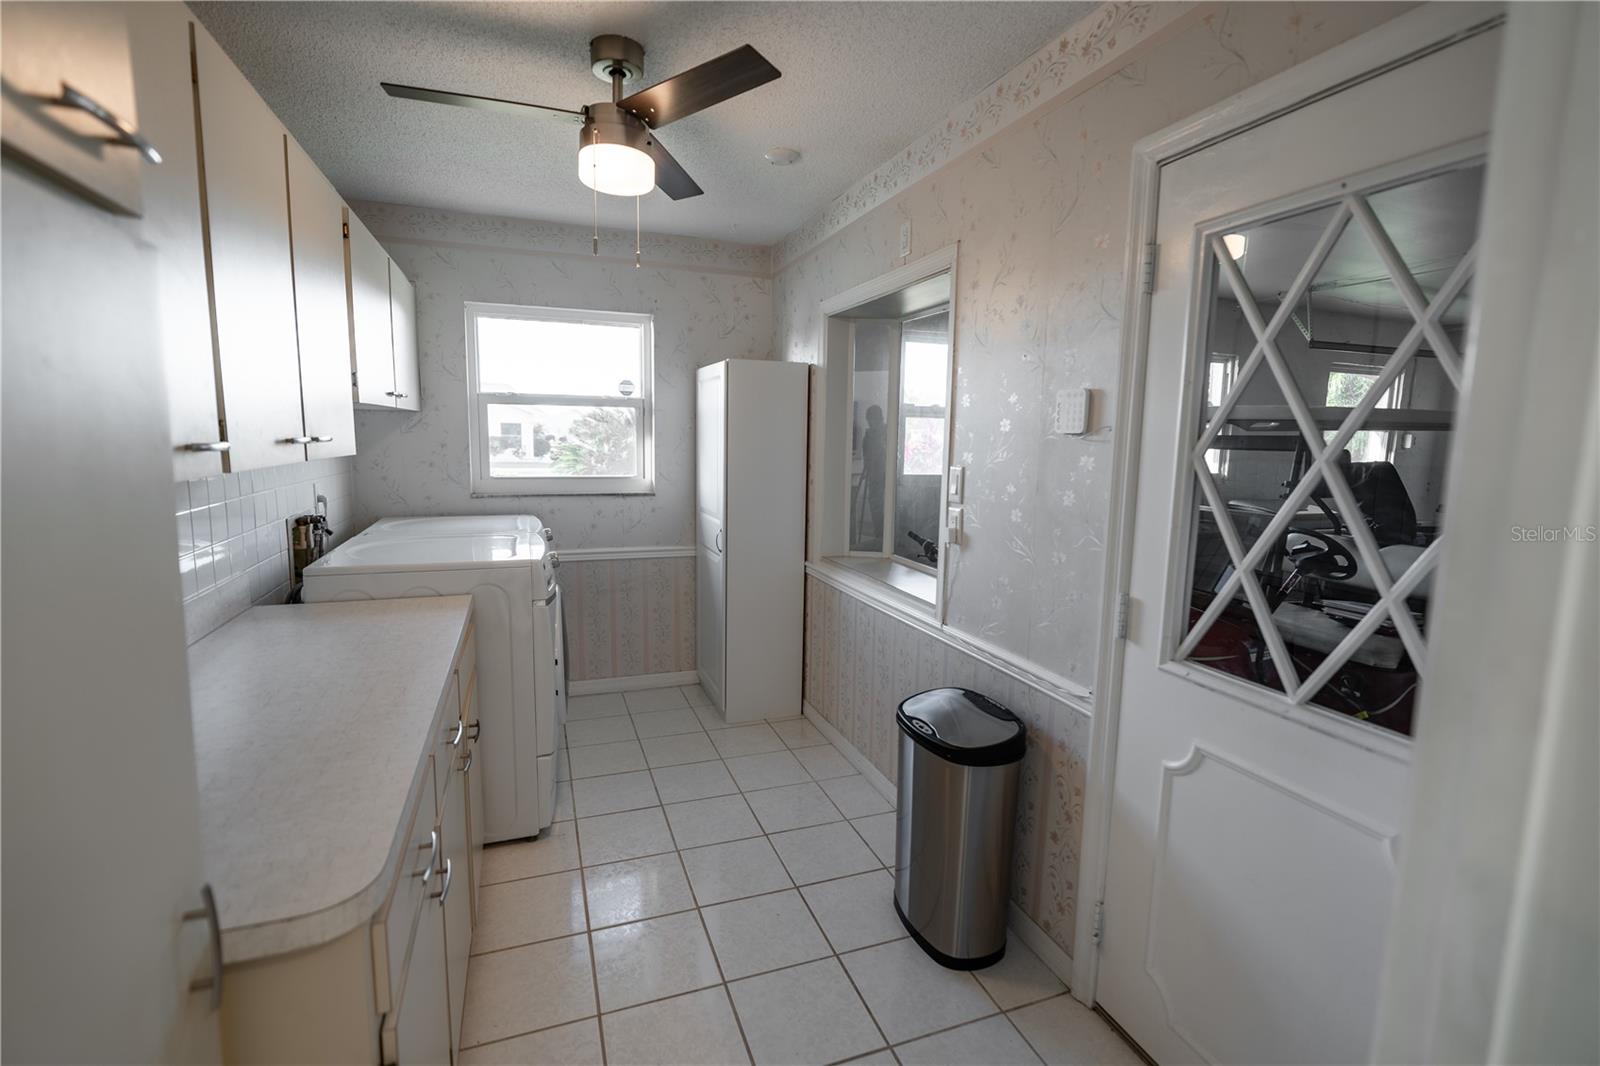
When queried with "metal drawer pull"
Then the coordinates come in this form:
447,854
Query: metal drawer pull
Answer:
321,440
461,731
466,766
126,134
296,440
398,395
206,446
208,912
444,889
433,856
476,727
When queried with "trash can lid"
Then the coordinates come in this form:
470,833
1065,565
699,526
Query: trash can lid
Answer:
963,726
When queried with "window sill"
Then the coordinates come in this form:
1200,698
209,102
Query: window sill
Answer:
887,581
492,492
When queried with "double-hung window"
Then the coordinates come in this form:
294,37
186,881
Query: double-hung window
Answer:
560,400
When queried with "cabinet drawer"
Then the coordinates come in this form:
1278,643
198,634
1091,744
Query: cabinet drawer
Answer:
414,874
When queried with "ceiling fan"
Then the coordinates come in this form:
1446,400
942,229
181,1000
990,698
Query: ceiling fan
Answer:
618,151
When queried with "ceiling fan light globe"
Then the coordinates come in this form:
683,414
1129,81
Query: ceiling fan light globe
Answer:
616,169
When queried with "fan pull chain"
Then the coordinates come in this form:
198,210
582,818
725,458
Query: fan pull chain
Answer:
594,172
636,233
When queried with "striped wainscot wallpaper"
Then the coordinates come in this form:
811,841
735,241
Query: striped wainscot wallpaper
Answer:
628,615
861,662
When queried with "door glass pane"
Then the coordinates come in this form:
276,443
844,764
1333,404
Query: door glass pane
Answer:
875,349
560,440
1378,390
919,470
520,355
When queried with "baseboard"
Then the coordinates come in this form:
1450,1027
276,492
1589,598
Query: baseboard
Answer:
863,764
595,686
1050,953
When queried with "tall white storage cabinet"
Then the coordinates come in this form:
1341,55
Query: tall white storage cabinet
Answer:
750,516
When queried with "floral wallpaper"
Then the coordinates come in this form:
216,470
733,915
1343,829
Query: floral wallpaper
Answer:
861,662
1041,213
1093,44
627,617
711,300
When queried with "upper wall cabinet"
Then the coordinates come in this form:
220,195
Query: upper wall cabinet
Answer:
69,105
316,227
245,197
383,336
172,226
403,320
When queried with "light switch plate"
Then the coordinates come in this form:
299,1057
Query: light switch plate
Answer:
954,481
1072,411
905,238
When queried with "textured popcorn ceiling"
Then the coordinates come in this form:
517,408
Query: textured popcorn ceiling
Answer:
860,81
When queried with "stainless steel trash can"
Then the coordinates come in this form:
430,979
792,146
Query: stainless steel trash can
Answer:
960,753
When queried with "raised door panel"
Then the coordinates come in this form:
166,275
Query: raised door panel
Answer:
246,200
316,226
371,329
474,776
403,319
48,48
159,34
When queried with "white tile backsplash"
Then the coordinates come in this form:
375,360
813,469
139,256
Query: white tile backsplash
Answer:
233,545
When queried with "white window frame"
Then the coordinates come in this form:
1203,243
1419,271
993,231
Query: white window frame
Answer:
478,407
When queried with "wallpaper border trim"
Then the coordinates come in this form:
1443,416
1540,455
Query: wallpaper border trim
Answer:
1091,48
1027,930
663,551
1056,687
387,237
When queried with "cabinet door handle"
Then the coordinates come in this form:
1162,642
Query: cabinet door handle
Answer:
466,766
719,542
301,439
476,727
461,731
433,856
398,395
125,133
444,889
205,446
208,913
321,440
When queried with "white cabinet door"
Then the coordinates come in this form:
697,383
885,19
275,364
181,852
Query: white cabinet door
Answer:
710,432
160,37
46,48
422,1027
102,823
247,208
474,776
316,226
403,319
371,331
457,899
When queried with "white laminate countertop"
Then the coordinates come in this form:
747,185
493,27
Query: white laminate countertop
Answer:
312,724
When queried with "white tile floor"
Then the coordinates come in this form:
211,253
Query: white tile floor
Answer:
716,894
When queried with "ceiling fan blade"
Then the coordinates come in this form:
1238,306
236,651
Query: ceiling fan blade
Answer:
671,178
698,88
480,103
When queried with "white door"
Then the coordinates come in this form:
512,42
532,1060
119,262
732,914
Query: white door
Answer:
102,823
246,196
1310,302
322,319
711,467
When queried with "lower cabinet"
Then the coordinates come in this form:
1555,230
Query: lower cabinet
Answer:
393,990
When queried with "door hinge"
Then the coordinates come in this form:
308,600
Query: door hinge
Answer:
1151,252
353,382
1122,617
1099,924
346,230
